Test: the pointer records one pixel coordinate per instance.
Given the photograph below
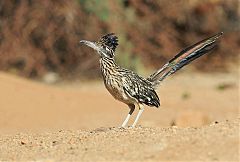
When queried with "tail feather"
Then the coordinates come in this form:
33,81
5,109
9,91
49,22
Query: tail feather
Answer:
183,58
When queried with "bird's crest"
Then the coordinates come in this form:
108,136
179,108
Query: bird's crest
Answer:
109,41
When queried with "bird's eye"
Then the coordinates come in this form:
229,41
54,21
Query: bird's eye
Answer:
107,49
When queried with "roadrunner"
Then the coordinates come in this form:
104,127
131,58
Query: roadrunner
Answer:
132,89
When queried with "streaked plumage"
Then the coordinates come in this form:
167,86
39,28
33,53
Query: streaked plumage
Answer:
128,87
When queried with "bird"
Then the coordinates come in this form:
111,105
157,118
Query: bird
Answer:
132,89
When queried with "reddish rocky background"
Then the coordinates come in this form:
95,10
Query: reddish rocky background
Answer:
37,37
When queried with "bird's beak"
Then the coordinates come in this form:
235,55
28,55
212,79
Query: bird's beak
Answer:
90,44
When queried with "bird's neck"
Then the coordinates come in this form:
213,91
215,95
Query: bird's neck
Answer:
107,62
108,65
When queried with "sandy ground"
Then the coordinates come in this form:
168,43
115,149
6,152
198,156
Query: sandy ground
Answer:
79,121
210,143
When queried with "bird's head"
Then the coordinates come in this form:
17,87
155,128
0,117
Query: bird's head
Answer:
105,46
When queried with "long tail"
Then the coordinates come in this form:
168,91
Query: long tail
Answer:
183,58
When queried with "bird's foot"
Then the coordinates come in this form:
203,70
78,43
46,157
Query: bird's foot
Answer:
126,127
121,127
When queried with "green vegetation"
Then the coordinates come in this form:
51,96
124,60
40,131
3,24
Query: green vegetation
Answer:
96,7
102,10
224,86
186,95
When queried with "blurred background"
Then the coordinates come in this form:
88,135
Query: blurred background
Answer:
37,37
40,40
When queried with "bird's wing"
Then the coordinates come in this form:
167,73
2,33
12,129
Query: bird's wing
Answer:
183,58
141,90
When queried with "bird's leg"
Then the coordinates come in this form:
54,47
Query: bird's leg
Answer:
132,108
141,109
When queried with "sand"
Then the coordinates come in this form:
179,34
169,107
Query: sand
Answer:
197,121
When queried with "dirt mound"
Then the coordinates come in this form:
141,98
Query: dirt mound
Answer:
219,141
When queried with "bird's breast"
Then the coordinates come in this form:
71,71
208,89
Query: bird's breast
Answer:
114,86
